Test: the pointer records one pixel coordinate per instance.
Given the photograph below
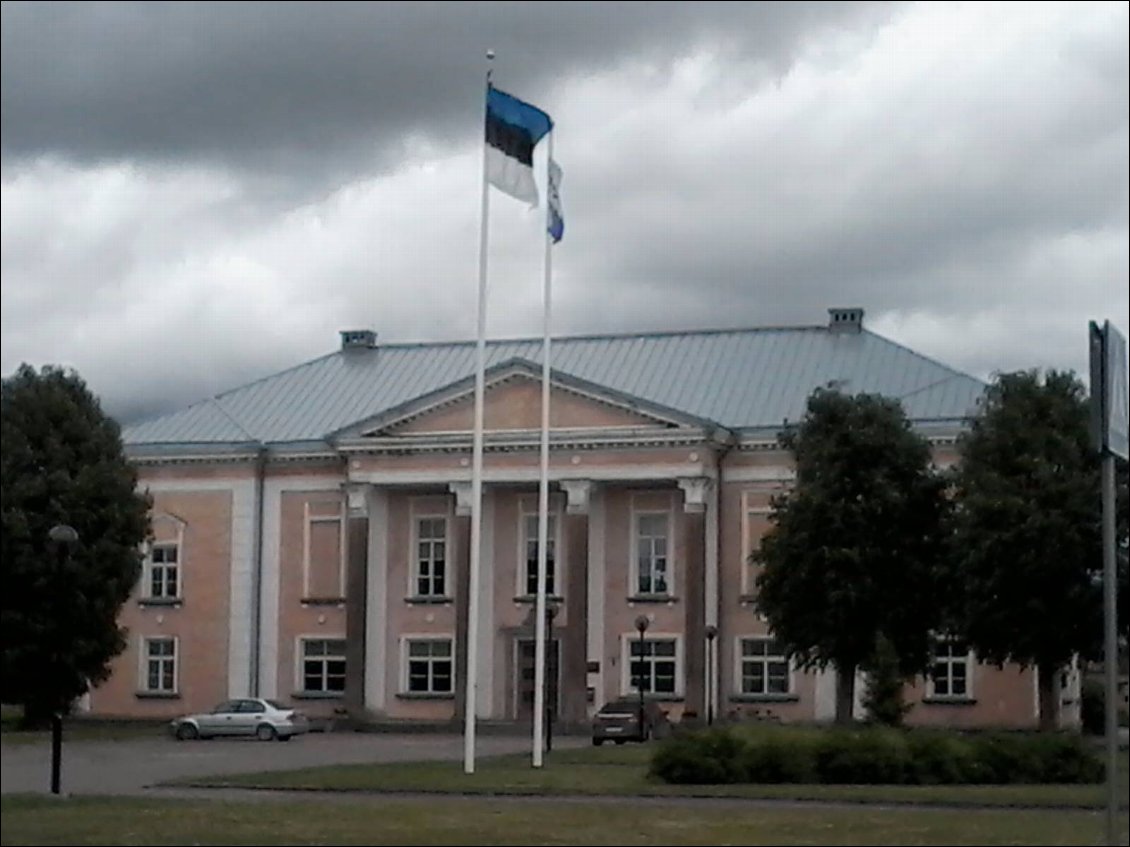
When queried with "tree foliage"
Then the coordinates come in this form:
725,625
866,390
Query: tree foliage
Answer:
63,464
854,547
1028,528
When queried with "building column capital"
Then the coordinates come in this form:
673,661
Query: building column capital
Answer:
462,492
695,490
578,492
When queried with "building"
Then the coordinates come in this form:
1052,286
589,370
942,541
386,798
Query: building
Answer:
311,529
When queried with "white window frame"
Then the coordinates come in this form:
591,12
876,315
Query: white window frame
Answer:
417,513
634,570
143,664
405,643
748,571
300,657
739,668
527,509
970,665
309,519
628,686
149,565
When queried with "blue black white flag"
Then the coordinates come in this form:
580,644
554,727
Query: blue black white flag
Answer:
513,130
556,218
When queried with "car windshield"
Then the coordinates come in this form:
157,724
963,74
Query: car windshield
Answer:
620,705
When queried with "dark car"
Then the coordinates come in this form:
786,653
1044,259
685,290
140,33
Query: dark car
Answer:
619,721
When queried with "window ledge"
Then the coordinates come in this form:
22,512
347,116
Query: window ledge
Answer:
949,701
156,695
653,598
425,600
764,698
318,695
533,598
424,695
160,601
323,601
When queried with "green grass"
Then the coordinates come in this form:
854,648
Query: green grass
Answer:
623,771
34,820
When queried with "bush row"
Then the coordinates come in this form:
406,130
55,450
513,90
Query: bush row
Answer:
875,756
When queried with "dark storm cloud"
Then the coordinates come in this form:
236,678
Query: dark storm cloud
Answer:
323,88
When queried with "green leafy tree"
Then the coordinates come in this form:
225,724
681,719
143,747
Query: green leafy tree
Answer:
1028,529
854,547
63,464
883,697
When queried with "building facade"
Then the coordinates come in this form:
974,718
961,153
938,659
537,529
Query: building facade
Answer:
311,531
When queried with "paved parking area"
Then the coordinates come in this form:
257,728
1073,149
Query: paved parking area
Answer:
129,766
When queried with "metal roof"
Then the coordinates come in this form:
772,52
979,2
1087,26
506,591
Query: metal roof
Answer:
742,379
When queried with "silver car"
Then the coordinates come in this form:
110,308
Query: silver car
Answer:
263,719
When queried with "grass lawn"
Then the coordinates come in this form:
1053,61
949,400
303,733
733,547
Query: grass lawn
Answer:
623,771
39,820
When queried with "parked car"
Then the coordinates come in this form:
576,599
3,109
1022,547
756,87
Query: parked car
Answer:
264,719
619,721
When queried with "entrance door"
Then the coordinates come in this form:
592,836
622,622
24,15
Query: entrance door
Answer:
524,684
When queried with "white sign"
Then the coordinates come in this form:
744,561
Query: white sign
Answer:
1117,402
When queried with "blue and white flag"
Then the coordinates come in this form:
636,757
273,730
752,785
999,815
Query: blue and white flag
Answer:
513,129
553,190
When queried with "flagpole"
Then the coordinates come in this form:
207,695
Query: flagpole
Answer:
471,685
543,491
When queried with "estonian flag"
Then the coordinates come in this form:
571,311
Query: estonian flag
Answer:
513,129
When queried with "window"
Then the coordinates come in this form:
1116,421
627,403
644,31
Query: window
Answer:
323,665
755,523
764,667
160,669
656,661
530,548
324,557
652,574
164,571
430,667
949,671
431,557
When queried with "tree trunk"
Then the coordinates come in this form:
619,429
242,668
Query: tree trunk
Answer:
1049,696
845,694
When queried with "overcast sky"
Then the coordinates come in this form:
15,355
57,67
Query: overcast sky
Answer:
196,195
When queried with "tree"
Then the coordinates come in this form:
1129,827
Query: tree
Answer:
1028,541
63,464
854,546
883,698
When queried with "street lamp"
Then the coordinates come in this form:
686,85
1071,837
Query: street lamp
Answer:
61,538
642,623
711,634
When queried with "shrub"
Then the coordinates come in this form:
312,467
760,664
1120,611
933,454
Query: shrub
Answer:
705,757
779,760
939,758
1066,758
865,757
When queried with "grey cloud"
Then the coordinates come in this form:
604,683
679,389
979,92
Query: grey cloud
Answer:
314,90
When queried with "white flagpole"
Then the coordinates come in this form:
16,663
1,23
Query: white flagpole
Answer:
471,684
543,492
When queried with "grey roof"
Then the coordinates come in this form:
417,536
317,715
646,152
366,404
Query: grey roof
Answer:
742,379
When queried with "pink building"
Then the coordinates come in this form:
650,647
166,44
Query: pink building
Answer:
311,529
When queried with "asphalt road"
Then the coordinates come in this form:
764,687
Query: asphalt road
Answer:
128,766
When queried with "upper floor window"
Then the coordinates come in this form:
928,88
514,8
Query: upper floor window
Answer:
653,574
163,565
430,568
530,547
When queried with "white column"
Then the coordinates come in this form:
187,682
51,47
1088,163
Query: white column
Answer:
595,633
825,711
376,600
711,566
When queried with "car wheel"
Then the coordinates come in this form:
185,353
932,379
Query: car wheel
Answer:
187,732
265,732
596,742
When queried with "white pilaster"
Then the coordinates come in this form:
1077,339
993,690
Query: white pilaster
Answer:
376,600
595,633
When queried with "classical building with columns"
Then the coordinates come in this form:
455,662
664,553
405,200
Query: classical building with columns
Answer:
311,529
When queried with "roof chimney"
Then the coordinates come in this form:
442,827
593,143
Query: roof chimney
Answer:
841,319
358,339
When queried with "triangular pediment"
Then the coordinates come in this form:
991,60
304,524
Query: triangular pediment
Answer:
512,403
